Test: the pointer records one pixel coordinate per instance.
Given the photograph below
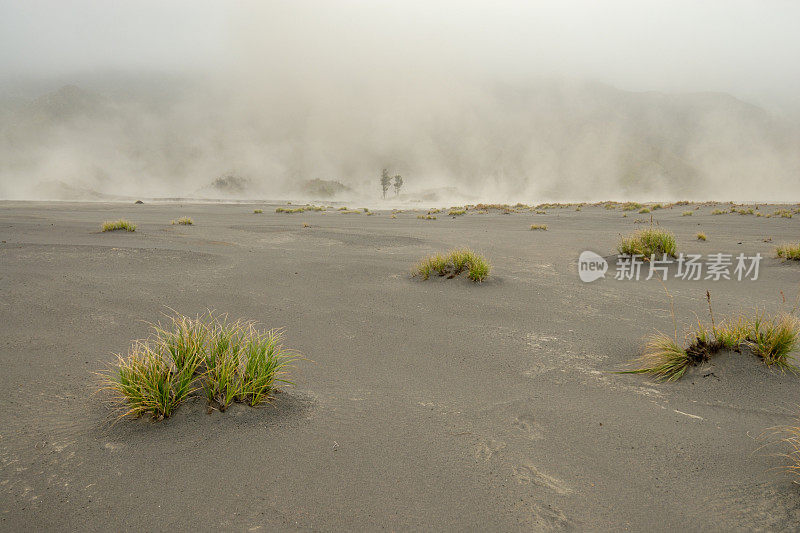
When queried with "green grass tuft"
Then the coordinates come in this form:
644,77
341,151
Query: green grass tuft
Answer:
118,225
539,227
788,251
229,361
183,221
257,211
454,263
663,359
687,213
456,212
647,242
701,236
772,338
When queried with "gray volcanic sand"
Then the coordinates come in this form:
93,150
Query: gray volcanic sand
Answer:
438,405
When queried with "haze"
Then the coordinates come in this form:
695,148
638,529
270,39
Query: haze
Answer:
506,101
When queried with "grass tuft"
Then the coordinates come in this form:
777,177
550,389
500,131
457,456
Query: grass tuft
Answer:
687,213
257,211
701,236
539,227
183,221
663,359
788,251
772,338
647,242
229,361
454,263
118,225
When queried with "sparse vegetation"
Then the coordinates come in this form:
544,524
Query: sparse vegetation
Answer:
117,225
257,211
229,361
783,213
426,217
718,212
687,213
454,263
289,210
542,227
456,212
773,338
701,236
788,251
647,242
183,221
644,210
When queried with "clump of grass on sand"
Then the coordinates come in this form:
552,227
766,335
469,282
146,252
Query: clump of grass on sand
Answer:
426,217
456,212
647,242
289,210
773,338
783,213
788,251
687,213
183,221
257,211
644,210
228,361
701,236
454,263
118,225
542,227
718,212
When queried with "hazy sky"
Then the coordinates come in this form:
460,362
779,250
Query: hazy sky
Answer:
748,48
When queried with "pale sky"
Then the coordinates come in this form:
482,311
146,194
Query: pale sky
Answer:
748,48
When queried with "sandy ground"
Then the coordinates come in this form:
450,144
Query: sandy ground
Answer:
439,405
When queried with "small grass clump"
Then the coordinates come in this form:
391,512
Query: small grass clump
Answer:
542,227
289,210
228,361
687,213
117,225
788,251
718,212
183,221
701,236
456,212
648,242
454,263
257,211
426,217
772,338
644,210
783,213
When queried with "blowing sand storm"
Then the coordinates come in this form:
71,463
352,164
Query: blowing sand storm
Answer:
467,102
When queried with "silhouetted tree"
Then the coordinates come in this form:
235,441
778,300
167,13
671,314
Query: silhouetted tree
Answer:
398,182
386,181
